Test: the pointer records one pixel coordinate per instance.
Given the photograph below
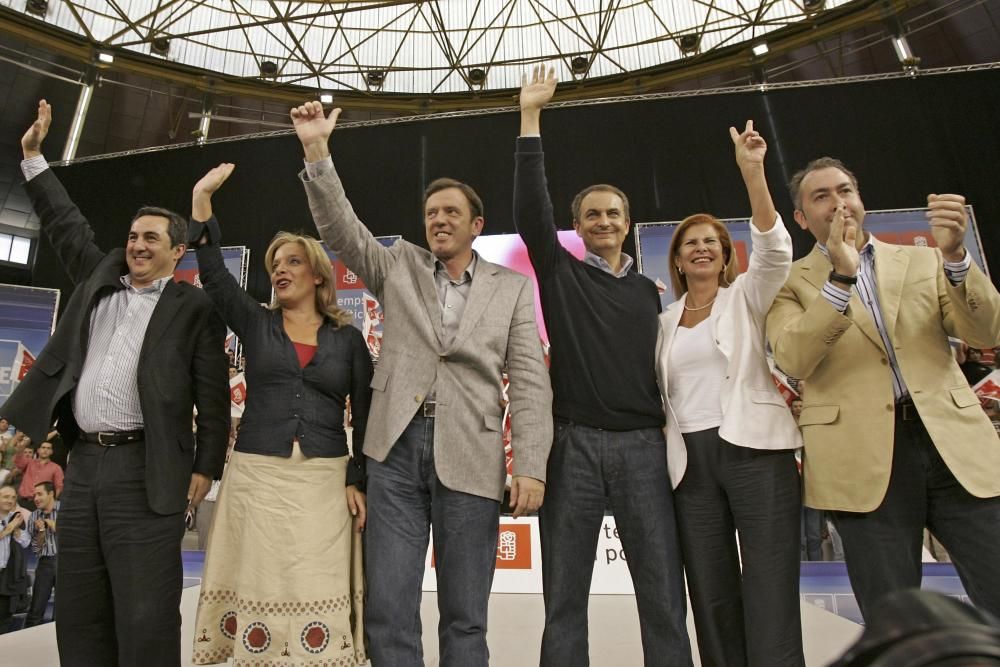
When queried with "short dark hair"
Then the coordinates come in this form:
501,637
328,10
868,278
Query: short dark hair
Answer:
600,187
176,225
48,486
795,185
439,184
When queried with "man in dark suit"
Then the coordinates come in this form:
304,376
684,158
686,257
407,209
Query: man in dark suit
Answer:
133,354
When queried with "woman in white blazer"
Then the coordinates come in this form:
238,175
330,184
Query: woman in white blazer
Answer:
730,436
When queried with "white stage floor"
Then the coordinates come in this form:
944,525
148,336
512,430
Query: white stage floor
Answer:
515,633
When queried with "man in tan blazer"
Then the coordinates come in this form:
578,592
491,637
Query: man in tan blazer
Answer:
895,439
453,323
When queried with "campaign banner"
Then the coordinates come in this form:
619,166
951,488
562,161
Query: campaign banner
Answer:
237,395
27,320
236,259
354,297
988,389
519,560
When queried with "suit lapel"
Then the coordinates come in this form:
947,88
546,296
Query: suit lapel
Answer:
479,297
163,314
890,272
816,270
429,295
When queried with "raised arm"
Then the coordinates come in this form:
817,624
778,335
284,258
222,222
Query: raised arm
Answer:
67,229
771,259
236,306
335,219
533,214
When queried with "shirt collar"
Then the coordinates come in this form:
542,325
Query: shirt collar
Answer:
158,285
602,264
470,270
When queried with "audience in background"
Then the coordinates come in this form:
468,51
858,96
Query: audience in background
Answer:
41,528
13,540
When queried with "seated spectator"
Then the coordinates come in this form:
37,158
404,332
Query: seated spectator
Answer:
42,533
36,470
13,540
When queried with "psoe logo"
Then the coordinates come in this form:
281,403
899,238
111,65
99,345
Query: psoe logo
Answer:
514,546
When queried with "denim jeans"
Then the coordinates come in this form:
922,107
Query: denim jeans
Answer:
405,498
587,468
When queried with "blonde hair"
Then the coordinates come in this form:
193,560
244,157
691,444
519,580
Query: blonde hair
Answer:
731,266
326,291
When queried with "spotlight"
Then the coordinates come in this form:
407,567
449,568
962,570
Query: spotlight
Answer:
105,57
579,65
760,49
268,68
160,46
37,7
477,76
689,43
375,78
813,6
326,97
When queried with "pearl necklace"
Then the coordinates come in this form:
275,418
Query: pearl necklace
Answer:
686,307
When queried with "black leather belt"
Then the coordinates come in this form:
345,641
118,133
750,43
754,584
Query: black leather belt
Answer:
427,409
113,438
906,410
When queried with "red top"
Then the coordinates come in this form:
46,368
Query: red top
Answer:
305,353
37,470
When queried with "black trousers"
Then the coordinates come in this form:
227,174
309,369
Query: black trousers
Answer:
883,547
119,570
745,615
45,581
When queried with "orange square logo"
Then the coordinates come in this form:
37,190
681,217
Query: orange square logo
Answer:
514,546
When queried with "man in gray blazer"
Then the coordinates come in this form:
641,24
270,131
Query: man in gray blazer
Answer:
453,323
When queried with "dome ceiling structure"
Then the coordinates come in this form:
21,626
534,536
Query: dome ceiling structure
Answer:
421,48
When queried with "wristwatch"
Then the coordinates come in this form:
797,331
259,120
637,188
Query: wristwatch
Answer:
841,278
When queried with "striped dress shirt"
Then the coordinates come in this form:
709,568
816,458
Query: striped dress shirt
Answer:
107,395
43,544
21,539
867,289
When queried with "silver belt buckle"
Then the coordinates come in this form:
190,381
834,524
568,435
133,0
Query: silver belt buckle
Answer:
428,408
100,439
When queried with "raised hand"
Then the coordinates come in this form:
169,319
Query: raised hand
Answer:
314,129
948,222
201,195
31,142
842,244
537,92
750,146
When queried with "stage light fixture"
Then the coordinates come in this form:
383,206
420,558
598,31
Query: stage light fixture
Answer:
160,46
326,97
689,43
105,58
813,6
375,78
579,65
760,49
268,68
37,7
477,76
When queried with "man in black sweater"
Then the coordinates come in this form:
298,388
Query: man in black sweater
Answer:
602,325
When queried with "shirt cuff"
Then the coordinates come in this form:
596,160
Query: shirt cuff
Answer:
837,297
529,143
316,169
957,271
33,166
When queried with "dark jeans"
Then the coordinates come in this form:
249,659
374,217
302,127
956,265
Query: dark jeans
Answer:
405,498
883,547
588,467
812,532
45,581
119,570
747,616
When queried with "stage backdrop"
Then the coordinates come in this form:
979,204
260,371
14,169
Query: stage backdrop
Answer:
903,138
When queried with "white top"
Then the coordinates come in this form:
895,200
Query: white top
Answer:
696,371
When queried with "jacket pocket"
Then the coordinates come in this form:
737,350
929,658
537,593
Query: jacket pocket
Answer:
819,414
767,396
380,379
49,364
964,397
493,422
